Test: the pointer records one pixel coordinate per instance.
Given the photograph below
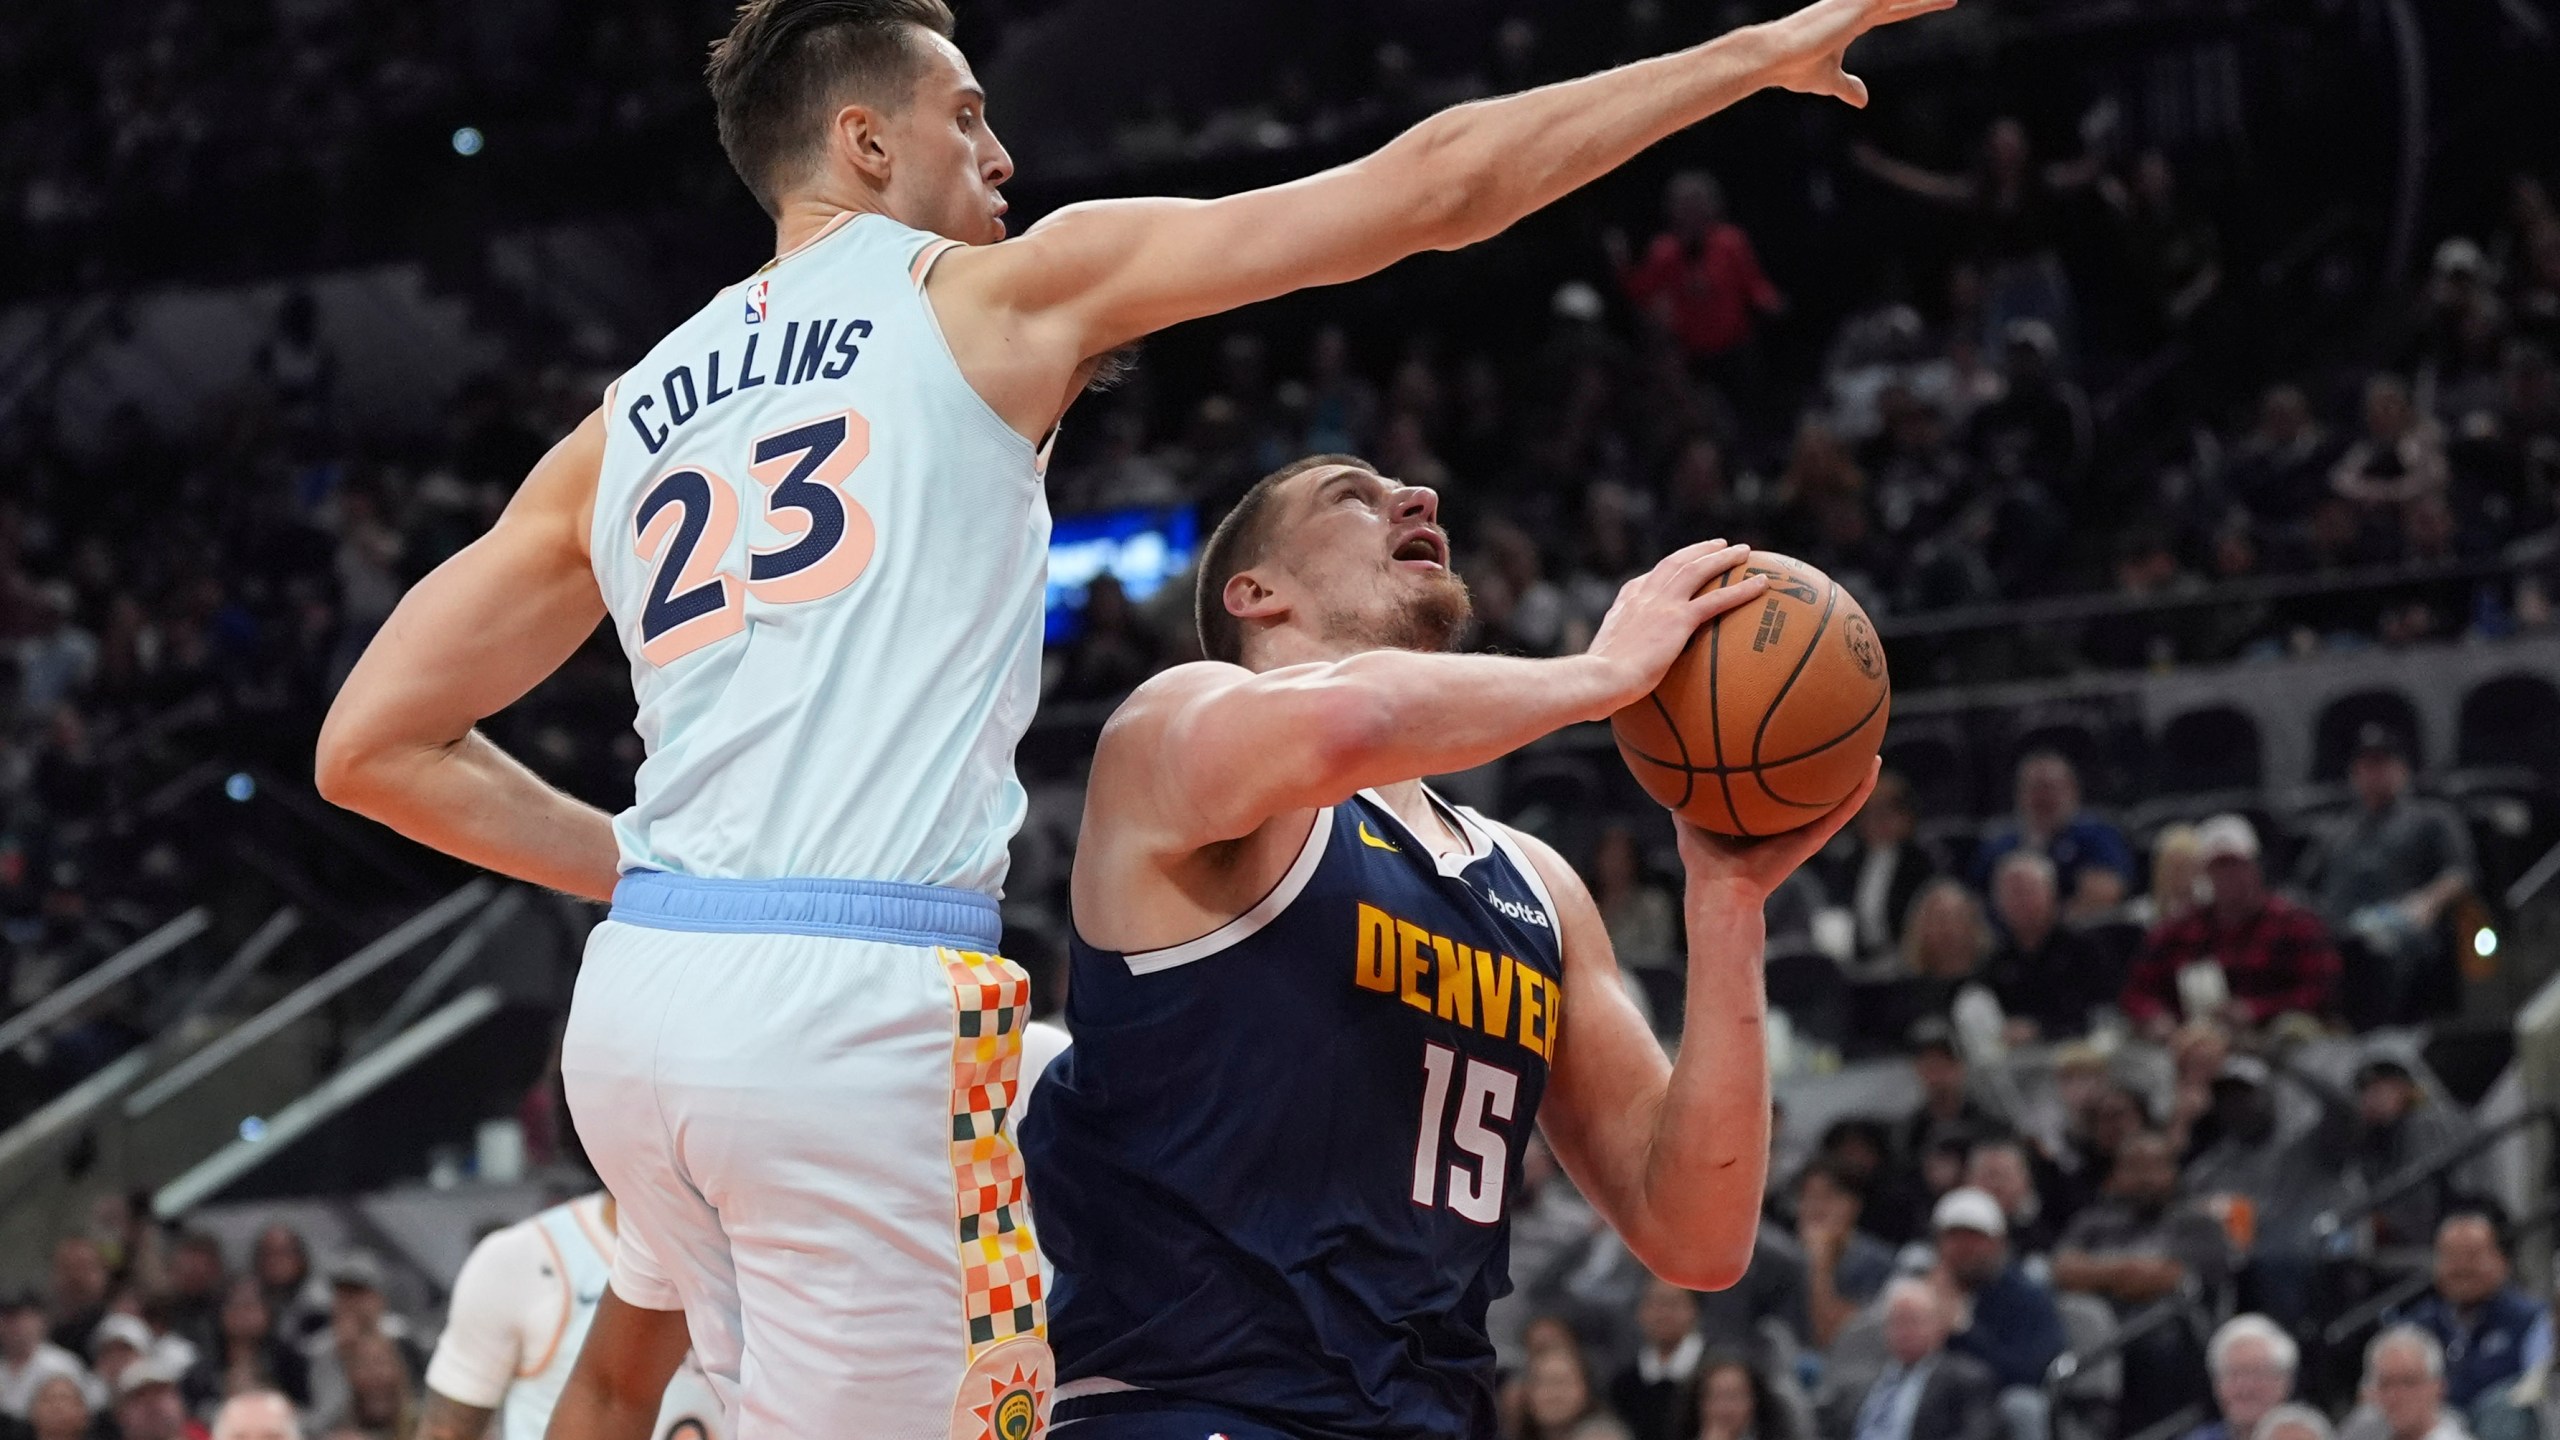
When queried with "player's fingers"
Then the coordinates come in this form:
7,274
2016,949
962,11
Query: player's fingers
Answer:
1851,89
1687,555
1727,598
1699,569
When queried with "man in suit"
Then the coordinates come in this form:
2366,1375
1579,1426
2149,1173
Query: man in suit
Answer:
1883,864
1927,1392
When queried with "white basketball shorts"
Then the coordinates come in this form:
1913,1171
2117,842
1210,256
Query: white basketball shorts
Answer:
801,1093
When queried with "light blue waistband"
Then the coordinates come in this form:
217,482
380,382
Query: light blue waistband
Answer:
845,909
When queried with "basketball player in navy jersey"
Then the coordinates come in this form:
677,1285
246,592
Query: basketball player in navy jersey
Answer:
1317,1008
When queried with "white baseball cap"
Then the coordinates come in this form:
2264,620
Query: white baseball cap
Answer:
2226,837
1969,1208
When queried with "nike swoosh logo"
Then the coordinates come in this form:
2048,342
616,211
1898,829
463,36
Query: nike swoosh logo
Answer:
1368,839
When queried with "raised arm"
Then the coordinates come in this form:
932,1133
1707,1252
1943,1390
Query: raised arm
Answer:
487,626
1095,276
1207,753
1675,1156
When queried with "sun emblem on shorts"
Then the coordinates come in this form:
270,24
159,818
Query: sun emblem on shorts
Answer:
1012,1411
1005,1395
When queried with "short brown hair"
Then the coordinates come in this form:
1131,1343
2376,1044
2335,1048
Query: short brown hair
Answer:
785,65
1237,545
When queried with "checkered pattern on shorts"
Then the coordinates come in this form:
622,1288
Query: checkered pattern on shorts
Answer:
999,1262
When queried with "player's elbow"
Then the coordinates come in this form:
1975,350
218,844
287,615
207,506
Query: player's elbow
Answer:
1449,183
1703,1258
347,765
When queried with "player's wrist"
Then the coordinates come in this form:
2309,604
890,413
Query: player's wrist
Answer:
1609,682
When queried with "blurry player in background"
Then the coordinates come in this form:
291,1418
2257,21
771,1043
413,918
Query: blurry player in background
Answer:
814,516
1318,1010
520,1312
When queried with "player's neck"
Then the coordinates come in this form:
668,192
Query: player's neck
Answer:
807,216
1413,806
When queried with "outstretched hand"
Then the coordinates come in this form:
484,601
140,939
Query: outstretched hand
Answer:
1814,43
1761,865
1657,613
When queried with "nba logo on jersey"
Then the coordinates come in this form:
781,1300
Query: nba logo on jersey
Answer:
756,296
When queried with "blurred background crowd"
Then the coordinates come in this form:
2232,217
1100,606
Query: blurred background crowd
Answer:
2143,370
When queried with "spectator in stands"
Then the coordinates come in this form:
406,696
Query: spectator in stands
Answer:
1944,944
1559,1401
1947,1107
2136,1245
2252,953
282,1263
2134,1248
120,1342
1929,1390
1700,279
358,1311
1643,922
2382,877
1861,1151
2013,206
60,1410
1654,1394
2401,456
2000,1167
248,1355
2011,1324
381,1393
148,1407
1732,1400
1880,864
2252,1361
257,1415
1115,650
27,1358
2047,976
2281,467
2294,1422
79,1294
2091,861
2396,1124
2488,1329
2404,1390
2177,879
2282,1182
1845,1266
197,1274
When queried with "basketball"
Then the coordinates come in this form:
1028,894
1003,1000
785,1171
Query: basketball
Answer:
1773,714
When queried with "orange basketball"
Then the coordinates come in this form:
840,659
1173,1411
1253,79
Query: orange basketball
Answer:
1772,715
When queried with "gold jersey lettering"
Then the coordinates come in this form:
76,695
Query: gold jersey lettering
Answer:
1555,1016
1413,964
1493,988
1457,982
1533,1010
1377,950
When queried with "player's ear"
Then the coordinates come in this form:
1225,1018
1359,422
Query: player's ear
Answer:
859,138
1247,597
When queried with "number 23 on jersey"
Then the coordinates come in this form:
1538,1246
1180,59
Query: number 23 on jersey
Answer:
686,523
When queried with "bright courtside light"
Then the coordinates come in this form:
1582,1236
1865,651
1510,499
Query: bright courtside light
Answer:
468,141
240,787
2485,943
253,1128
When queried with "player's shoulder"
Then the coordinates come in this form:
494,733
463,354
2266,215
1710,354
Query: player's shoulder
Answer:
1167,692
1554,877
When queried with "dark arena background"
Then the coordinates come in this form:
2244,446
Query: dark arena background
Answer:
2175,382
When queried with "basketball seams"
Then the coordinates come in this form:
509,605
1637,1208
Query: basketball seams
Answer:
1760,773
1715,709
1688,772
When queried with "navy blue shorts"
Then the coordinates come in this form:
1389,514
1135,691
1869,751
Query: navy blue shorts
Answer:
1153,1417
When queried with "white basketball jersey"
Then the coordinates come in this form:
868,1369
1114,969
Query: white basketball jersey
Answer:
826,557
574,1238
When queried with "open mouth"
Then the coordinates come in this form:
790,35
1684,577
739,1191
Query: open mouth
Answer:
1424,547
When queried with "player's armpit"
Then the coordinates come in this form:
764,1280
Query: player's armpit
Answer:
469,640
448,1419
622,1372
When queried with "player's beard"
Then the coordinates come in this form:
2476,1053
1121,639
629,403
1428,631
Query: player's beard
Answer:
1429,621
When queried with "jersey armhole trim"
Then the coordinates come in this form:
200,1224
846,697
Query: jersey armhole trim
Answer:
920,269
1529,872
568,1296
1280,897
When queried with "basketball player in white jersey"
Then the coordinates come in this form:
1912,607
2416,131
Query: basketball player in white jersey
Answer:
520,1313
813,515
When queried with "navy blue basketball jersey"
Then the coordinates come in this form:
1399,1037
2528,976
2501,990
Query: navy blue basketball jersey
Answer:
1273,1172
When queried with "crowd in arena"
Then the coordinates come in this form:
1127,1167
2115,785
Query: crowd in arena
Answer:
146,1333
